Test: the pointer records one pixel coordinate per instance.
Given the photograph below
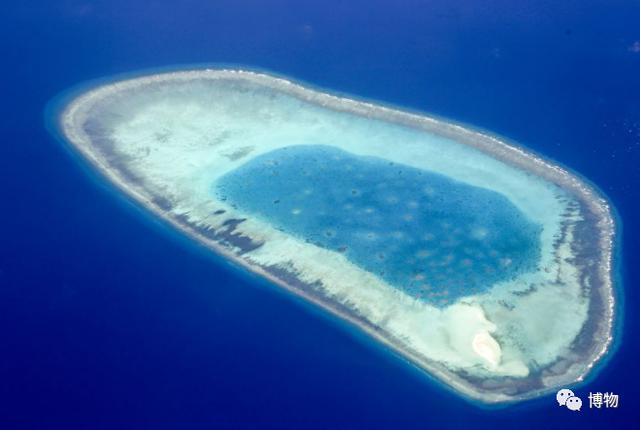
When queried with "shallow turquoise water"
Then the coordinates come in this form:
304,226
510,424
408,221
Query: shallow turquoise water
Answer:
435,238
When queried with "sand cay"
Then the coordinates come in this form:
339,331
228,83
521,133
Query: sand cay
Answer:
481,263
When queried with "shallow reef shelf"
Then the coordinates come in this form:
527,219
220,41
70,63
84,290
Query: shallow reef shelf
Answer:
481,263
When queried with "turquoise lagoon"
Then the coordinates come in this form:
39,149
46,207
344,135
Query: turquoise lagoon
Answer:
483,264
434,238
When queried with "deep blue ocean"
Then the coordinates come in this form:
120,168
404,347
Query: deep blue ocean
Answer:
110,320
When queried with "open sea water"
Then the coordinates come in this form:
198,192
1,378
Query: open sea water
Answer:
110,320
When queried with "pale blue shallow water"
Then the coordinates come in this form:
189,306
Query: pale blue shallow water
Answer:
420,231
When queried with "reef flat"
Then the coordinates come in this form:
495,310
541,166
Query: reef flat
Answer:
481,263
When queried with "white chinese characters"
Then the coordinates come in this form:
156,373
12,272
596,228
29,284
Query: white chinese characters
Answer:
608,400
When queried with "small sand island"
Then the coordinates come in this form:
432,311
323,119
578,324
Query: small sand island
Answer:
481,263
